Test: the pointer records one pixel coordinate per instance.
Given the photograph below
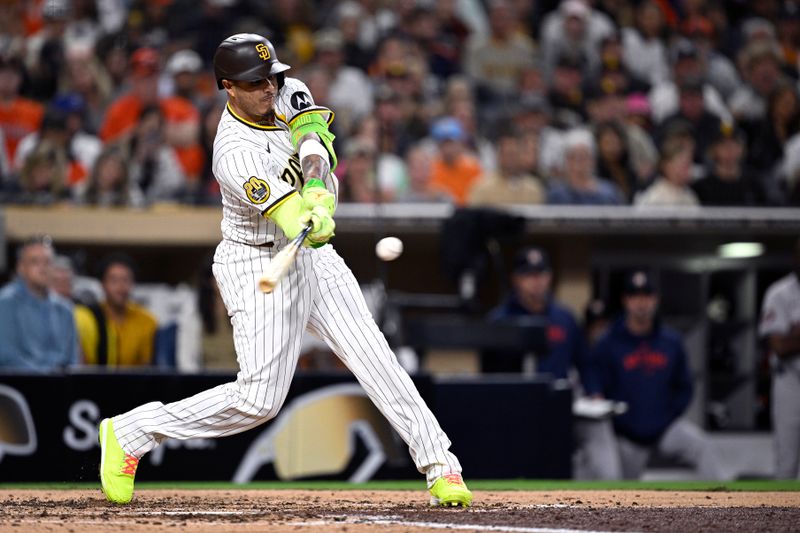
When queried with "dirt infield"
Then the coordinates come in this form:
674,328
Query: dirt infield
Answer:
394,511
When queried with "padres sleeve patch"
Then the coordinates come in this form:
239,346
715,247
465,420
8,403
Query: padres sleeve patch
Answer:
257,190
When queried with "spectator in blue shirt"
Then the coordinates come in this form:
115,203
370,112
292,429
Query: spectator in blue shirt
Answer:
531,297
36,325
643,363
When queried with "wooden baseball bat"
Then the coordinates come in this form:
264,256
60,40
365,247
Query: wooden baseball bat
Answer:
281,262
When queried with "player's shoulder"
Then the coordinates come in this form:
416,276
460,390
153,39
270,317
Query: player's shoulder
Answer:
294,97
233,138
8,292
293,84
786,286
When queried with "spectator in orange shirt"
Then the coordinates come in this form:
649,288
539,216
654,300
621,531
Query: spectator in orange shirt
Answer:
454,168
18,116
182,119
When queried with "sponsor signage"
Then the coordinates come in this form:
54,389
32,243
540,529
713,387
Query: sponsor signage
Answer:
327,429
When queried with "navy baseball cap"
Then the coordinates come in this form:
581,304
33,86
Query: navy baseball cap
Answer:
639,282
531,260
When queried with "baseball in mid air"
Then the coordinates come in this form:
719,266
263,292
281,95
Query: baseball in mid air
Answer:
389,248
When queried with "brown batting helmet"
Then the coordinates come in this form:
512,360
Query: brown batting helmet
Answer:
246,57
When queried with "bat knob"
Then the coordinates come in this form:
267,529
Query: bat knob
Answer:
266,285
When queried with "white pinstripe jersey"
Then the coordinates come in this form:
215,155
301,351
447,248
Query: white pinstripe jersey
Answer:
257,167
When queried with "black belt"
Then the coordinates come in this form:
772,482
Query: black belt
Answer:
268,244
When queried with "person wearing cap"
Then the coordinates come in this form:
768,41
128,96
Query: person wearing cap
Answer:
693,112
729,182
184,66
720,71
642,362
455,169
181,117
123,113
780,328
574,27
686,63
531,296
45,49
566,94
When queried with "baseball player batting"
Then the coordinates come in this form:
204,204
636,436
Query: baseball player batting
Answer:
273,158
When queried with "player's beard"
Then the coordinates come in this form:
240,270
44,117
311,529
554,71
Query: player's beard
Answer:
260,110
268,117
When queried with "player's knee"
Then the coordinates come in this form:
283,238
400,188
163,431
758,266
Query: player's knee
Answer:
257,402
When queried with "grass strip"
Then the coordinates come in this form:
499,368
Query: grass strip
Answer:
477,484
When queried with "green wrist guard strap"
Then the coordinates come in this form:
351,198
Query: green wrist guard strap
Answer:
315,193
312,121
286,214
313,183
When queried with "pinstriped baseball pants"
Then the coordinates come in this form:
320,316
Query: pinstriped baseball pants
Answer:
318,293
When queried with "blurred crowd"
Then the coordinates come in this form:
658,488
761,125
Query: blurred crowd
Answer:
475,102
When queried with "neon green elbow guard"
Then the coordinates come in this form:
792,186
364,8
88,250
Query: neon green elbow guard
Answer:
312,121
286,214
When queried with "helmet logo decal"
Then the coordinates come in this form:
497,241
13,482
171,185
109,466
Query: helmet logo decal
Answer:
257,190
300,100
263,51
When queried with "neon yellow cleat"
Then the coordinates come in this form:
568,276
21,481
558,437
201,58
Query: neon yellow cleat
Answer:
117,468
450,490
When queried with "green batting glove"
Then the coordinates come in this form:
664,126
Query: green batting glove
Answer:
287,213
314,194
322,226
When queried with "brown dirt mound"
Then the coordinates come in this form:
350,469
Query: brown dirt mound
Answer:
392,511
